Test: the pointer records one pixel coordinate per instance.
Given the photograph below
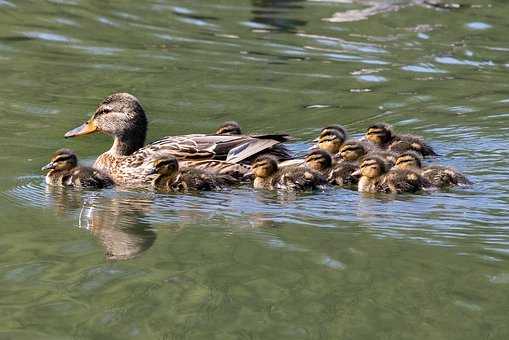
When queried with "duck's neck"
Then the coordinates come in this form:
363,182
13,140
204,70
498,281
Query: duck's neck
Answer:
126,144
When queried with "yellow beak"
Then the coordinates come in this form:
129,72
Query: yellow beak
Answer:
85,129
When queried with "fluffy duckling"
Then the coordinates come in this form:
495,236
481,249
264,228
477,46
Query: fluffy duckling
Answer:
339,173
376,177
353,150
229,128
171,178
269,176
382,136
65,171
331,140
411,143
437,175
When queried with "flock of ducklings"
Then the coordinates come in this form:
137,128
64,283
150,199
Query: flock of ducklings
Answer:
382,161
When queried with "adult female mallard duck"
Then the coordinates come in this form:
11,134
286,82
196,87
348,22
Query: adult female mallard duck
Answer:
122,116
382,136
65,171
169,177
376,177
339,173
437,175
269,176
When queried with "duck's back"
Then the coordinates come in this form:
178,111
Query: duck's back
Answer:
443,176
87,177
399,181
341,173
298,179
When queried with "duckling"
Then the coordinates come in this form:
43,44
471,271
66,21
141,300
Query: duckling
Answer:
376,177
437,175
171,178
339,173
411,143
353,150
382,136
229,128
269,176
331,141
65,171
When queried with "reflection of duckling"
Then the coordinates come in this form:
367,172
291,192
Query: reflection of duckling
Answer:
436,175
64,171
229,128
376,177
339,173
383,136
171,178
268,176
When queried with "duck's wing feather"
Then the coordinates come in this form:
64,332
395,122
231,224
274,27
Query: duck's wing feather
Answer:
200,146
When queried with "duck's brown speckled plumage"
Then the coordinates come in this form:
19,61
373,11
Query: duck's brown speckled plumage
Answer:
122,116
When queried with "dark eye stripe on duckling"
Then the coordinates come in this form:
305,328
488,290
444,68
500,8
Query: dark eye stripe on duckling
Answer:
376,132
368,163
315,158
350,148
404,160
62,158
328,138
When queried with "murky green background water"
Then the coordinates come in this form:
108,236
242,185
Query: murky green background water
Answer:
242,264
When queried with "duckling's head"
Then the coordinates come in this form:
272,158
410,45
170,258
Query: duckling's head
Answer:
318,160
379,134
264,166
120,115
409,160
331,141
63,159
229,128
340,129
373,166
352,150
167,166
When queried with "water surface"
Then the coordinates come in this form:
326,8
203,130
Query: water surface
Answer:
241,264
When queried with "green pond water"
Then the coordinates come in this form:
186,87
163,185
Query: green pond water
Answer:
240,264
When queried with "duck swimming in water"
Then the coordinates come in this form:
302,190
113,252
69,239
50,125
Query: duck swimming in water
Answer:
383,136
269,176
121,116
169,177
339,173
65,171
437,175
376,177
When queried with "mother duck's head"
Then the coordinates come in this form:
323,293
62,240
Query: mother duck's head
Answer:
119,115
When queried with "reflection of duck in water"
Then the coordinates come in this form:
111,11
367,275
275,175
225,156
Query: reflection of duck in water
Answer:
273,14
119,225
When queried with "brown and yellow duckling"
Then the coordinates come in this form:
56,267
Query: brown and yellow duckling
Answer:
269,176
331,140
339,173
353,150
169,177
382,136
121,116
376,177
65,171
229,128
437,175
